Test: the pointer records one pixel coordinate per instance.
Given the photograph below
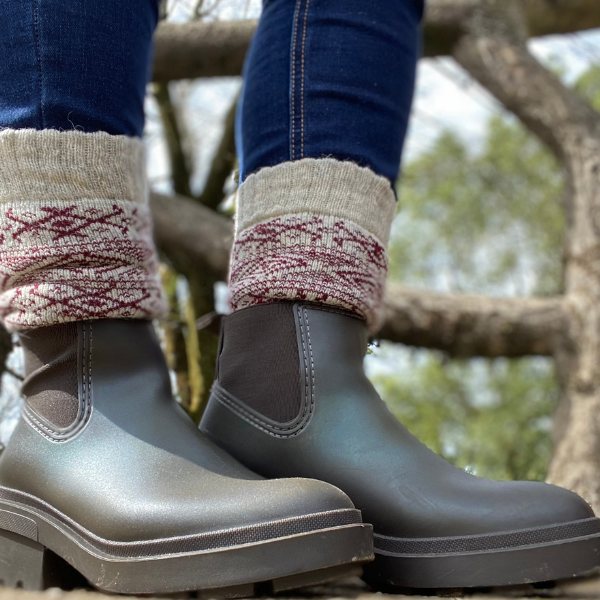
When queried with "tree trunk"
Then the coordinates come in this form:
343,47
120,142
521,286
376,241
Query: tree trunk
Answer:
576,462
494,52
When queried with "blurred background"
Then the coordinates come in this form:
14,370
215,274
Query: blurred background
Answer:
480,212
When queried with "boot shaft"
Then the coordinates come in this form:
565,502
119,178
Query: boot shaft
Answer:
266,355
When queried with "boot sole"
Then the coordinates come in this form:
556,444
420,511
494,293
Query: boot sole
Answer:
512,558
37,542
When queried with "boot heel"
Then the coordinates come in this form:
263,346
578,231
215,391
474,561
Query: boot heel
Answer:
29,565
21,562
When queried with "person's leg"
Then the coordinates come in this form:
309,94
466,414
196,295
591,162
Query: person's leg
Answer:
76,240
323,88
103,468
326,102
321,124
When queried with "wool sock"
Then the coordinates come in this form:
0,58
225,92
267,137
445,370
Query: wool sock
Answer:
313,230
75,230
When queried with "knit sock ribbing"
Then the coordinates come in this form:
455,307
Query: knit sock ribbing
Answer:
316,230
75,229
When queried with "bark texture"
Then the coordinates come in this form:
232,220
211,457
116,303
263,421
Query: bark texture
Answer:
447,20
467,326
195,238
223,163
180,169
201,49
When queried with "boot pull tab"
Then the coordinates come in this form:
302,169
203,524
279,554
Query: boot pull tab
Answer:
210,322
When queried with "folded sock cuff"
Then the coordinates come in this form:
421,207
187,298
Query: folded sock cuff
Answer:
75,229
315,230
321,187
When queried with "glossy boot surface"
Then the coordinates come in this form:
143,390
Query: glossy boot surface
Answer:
107,472
436,526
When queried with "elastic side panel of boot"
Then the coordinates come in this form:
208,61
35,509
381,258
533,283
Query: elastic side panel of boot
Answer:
51,386
259,362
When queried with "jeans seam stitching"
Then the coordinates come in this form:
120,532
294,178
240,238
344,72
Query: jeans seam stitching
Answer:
38,52
302,80
293,79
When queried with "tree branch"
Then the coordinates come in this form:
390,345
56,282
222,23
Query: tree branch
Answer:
201,49
494,52
445,20
180,173
467,326
223,163
196,238
217,49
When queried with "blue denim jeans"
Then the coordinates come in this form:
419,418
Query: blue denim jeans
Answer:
329,78
323,77
82,64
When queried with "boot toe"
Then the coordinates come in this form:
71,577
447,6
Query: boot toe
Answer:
551,505
295,497
501,506
311,495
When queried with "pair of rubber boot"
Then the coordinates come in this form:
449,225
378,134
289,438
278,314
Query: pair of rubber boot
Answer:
106,473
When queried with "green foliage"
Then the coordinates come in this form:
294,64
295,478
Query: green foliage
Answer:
487,220
490,417
588,85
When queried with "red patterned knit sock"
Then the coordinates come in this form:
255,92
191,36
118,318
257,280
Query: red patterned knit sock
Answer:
316,230
75,232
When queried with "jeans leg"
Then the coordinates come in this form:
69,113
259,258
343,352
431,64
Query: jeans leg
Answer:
330,78
76,64
75,236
